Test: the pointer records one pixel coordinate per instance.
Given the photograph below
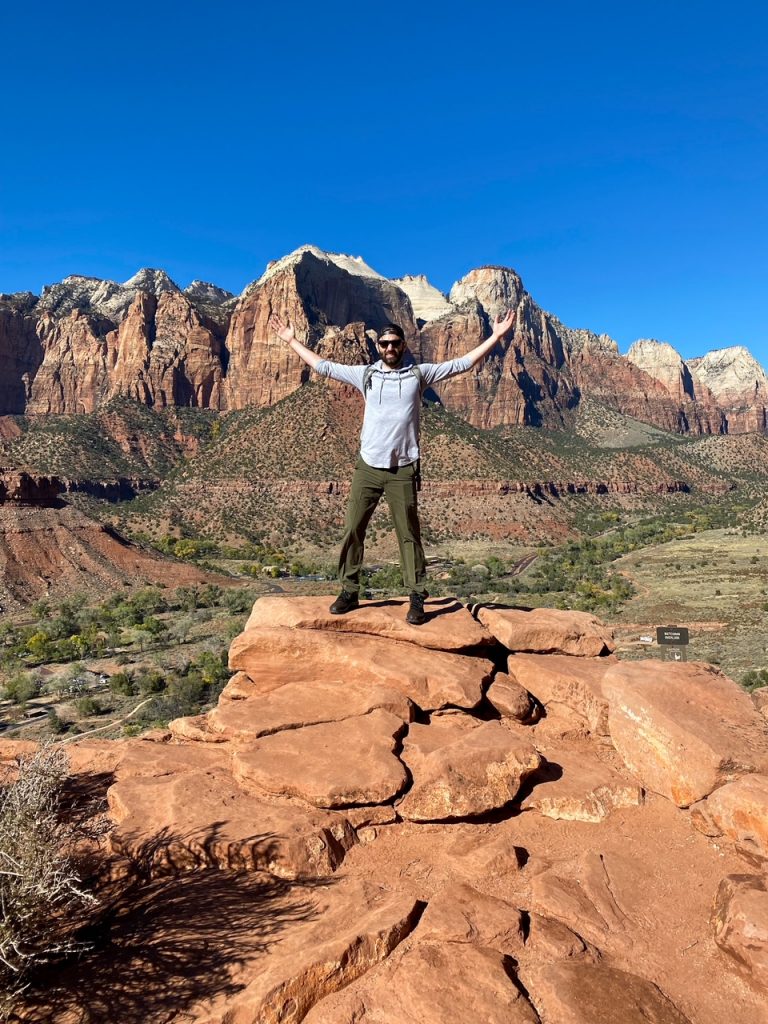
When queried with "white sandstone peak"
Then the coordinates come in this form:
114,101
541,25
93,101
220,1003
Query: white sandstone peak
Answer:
428,302
204,291
729,370
651,348
662,362
355,265
149,279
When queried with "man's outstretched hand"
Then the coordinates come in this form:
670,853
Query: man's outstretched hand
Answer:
283,330
502,324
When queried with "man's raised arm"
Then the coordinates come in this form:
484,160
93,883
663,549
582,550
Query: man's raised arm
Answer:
500,328
286,333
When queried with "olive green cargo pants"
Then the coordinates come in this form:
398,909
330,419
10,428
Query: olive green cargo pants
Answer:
398,486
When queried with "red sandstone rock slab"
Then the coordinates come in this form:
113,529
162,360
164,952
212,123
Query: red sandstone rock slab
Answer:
760,699
561,679
368,816
357,926
10,750
478,772
273,656
550,940
449,625
196,819
580,992
547,631
459,913
740,923
241,687
296,705
167,759
443,729
738,811
95,757
336,764
509,698
197,728
683,730
431,983
481,855
579,787
585,895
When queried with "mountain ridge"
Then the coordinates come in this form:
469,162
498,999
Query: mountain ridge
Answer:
85,340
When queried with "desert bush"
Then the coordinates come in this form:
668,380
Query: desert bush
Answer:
56,724
755,678
87,706
41,892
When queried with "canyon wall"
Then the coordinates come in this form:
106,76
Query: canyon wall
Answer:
85,341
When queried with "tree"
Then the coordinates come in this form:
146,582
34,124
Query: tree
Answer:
39,646
20,688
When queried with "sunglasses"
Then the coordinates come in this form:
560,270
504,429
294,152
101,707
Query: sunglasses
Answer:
386,342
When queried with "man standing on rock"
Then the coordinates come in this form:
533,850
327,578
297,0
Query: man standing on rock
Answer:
389,450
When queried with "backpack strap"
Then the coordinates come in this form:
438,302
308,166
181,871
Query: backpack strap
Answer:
415,371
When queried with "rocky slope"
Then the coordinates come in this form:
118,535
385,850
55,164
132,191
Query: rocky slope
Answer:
55,552
84,341
487,817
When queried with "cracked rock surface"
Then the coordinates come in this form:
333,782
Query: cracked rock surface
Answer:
378,825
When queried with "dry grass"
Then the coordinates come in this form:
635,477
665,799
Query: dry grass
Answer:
715,582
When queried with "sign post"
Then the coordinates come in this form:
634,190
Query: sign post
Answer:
673,641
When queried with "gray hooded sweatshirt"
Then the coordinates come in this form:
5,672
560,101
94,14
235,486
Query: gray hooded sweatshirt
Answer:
390,434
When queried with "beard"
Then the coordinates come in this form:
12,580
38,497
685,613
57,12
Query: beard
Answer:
393,359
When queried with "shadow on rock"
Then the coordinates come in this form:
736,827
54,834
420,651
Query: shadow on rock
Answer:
548,771
164,945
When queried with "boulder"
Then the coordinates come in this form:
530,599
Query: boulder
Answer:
547,630
561,679
683,729
449,625
478,772
198,728
740,923
579,787
274,656
336,764
241,687
738,811
509,698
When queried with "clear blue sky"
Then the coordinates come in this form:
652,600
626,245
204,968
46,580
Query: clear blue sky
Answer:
614,154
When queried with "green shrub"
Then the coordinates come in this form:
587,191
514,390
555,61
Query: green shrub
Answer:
122,683
87,706
56,724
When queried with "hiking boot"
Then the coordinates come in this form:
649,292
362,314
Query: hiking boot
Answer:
416,615
345,602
